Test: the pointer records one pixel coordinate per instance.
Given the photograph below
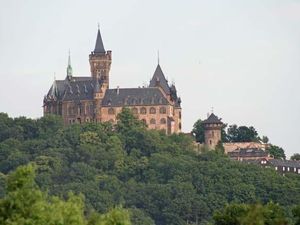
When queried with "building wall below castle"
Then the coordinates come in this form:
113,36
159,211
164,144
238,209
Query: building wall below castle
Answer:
159,117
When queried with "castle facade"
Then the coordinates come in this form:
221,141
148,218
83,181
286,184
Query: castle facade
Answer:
81,99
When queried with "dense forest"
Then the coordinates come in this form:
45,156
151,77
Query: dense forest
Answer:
159,179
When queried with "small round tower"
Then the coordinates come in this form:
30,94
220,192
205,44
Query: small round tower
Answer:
212,130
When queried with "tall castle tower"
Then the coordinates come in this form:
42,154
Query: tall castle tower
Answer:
100,61
212,130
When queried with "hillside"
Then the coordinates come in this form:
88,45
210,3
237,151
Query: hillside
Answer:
159,178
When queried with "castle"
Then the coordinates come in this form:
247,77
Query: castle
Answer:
89,98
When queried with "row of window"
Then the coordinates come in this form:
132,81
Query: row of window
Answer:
78,120
153,121
143,110
72,110
288,169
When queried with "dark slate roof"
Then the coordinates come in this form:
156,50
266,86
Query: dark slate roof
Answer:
99,47
212,119
82,78
160,79
78,88
249,152
178,103
134,96
286,163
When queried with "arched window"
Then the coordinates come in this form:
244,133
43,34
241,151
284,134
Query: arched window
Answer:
163,121
135,111
144,121
162,110
212,133
111,111
179,115
179,126
152,121
210,142
152,110
143,110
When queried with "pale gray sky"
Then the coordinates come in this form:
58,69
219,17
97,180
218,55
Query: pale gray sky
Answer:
241,57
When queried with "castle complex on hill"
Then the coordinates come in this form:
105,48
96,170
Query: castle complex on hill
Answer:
89,98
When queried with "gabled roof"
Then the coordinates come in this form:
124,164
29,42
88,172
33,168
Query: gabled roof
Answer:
133,96
99,47
78,88
160,79
212,119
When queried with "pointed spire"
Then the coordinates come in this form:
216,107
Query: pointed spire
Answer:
99,47
160,79
158,57
54,90
69,68
69,58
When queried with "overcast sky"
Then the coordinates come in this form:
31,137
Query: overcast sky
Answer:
240,57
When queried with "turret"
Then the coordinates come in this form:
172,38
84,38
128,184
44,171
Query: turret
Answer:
212,130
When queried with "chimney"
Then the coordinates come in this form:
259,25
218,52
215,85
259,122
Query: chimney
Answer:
118,90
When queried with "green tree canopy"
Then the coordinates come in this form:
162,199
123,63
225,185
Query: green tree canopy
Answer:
198,131
296,156
256,214
25,203
241,134
276,151
157,177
